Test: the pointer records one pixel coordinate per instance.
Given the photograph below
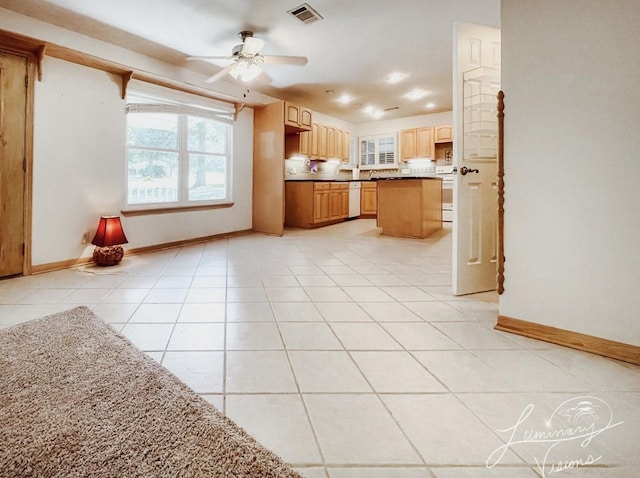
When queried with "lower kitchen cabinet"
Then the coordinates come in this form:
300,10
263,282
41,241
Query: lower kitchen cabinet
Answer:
321,203
311,204
369,198
339,199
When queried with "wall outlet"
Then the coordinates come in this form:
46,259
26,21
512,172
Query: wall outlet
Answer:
86,237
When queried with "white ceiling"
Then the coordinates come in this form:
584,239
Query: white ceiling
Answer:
352,50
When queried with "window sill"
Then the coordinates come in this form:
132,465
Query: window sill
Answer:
171,210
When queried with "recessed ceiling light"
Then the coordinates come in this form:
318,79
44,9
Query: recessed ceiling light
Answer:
367,109
377,114
431,105
416,94
396,77
345,99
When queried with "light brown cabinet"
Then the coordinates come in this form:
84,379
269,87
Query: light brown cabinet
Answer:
321,203
339,201
416,143
311,204
320,142
331,142
297,117
368,198
443,134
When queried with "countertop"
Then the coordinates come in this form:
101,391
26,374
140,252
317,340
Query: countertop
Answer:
373,178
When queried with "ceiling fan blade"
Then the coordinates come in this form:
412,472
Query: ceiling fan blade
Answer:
285,60
252,46
220,74
207,58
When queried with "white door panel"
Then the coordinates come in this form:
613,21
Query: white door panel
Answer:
476,82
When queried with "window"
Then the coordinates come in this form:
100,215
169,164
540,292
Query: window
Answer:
177,156
378,152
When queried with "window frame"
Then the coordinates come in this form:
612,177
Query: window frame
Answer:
375,141
144,103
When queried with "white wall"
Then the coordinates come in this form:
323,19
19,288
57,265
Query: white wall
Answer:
79,168
570,75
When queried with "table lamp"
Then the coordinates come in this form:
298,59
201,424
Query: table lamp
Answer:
109,236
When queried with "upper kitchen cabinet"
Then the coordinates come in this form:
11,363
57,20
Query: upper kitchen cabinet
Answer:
443,134
416,143
297,118
320,142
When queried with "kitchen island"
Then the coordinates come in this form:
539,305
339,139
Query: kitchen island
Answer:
410,207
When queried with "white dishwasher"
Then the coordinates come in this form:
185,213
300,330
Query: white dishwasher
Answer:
354,198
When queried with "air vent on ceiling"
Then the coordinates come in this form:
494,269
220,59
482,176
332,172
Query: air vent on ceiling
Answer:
392,108
305,14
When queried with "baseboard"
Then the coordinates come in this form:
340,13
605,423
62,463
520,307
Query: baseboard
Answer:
54,266
185,242
587,343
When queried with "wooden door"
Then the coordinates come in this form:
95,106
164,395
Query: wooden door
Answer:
407,144
339,143
322,141
291,115
346,146
444,134
344,203
13,104
477,52
321,206
305,143
335,205
313,141
369,198
424,140
331,142
305,117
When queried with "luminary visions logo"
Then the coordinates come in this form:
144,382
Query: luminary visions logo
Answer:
578,420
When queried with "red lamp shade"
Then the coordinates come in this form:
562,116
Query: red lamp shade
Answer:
109,232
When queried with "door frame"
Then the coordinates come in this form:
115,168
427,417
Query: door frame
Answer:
25,51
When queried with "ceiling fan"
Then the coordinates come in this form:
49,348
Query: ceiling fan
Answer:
247,60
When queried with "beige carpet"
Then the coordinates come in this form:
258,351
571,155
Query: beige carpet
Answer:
77,399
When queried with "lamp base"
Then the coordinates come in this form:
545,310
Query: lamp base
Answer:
108,255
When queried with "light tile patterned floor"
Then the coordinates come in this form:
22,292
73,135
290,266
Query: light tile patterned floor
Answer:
345,352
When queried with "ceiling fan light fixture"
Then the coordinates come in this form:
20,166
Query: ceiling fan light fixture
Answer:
246,69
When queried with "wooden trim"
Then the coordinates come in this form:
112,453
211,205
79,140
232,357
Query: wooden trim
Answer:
186,242
53,266
126,78
20,44
170,210
33,70
500,265
587,343
14,42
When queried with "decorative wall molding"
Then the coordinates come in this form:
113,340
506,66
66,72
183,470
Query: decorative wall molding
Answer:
587,343
501,259
39,49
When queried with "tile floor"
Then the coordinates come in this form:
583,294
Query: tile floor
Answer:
345,352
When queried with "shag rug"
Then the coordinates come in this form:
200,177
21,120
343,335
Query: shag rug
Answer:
77,399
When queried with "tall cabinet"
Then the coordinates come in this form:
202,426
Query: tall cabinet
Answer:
270,125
